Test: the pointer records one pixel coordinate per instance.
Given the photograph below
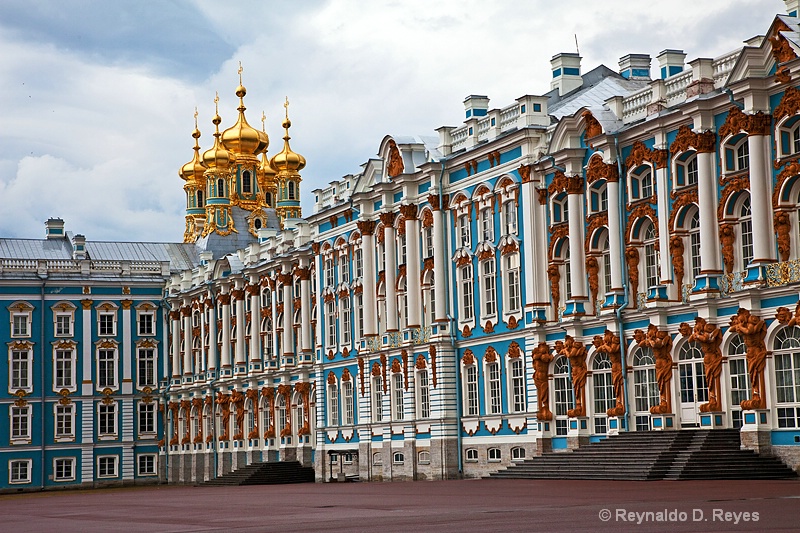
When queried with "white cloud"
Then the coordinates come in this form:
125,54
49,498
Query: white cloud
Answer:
99,142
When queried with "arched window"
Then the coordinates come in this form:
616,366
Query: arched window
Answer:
247,183
740,379
641,183
786,354
694,244
220,188
494,455
464,230
562,389
280,408
598,197
292,194
603,390
560,209
265,415
650,257
745,232
645,387
517,453
487,224
250,418
398,458
694,390
686,169
200,202
510,217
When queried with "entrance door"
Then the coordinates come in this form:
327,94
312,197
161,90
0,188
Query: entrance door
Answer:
694,391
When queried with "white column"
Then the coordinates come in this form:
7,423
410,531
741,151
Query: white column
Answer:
390,274
253,293
304,273
439,259
707,213
212,335
662,192
577,260
203,350
367,228
175,318
225,355
288,314
127,348
241,326
413,260
86,350
186,316
614,243
760,197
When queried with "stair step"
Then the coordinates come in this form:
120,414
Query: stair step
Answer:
269,473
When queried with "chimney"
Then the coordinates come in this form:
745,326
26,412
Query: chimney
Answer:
54,228
566,72
670,62
792,7
79,247
635,67
476,106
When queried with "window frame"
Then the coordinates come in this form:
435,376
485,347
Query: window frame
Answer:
64,461
103,461
107,412
13,473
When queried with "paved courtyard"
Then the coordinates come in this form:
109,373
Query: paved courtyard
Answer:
442,506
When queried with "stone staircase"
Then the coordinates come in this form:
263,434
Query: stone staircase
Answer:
272,473
654,455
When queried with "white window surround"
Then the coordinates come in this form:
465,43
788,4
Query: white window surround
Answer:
20,365
63,469
64,366
19,471
107,466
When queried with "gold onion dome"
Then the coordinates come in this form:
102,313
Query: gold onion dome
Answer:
286,159
194,169
242,138
217,156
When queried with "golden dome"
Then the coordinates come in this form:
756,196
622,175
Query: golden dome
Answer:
286,160
193,169
242,138
217,156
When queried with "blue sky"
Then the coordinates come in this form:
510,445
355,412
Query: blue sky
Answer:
98,97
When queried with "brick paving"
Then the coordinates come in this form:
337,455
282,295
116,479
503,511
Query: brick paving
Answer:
443,506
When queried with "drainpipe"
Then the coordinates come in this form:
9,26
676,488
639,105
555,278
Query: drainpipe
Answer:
626,289
452,325
42,277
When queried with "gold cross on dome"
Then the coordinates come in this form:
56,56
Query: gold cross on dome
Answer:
240,72
286,105
216,101
263,121
195,116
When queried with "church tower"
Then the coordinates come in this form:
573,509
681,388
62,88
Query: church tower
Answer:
193,174
287,164
218,162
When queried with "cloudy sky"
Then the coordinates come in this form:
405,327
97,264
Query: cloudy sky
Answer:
97,97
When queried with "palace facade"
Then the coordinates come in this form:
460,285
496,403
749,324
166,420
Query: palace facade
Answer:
619,253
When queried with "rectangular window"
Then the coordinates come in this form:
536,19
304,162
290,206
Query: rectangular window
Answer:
107,419
359,261
147,367
424,394
106,369
107,466
346,322
464,231
513,297
147,464
329,281
64,372
489,292
360,312
493,371
19,471
347,398
344,267
510,215
472,391
333,405
65,421
330,318
467,309
428,238
377,398
147,418
20,423
402,250
107,324
63,325
20,375
518,385
64,469
146,324
397,386
487,225
20,325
